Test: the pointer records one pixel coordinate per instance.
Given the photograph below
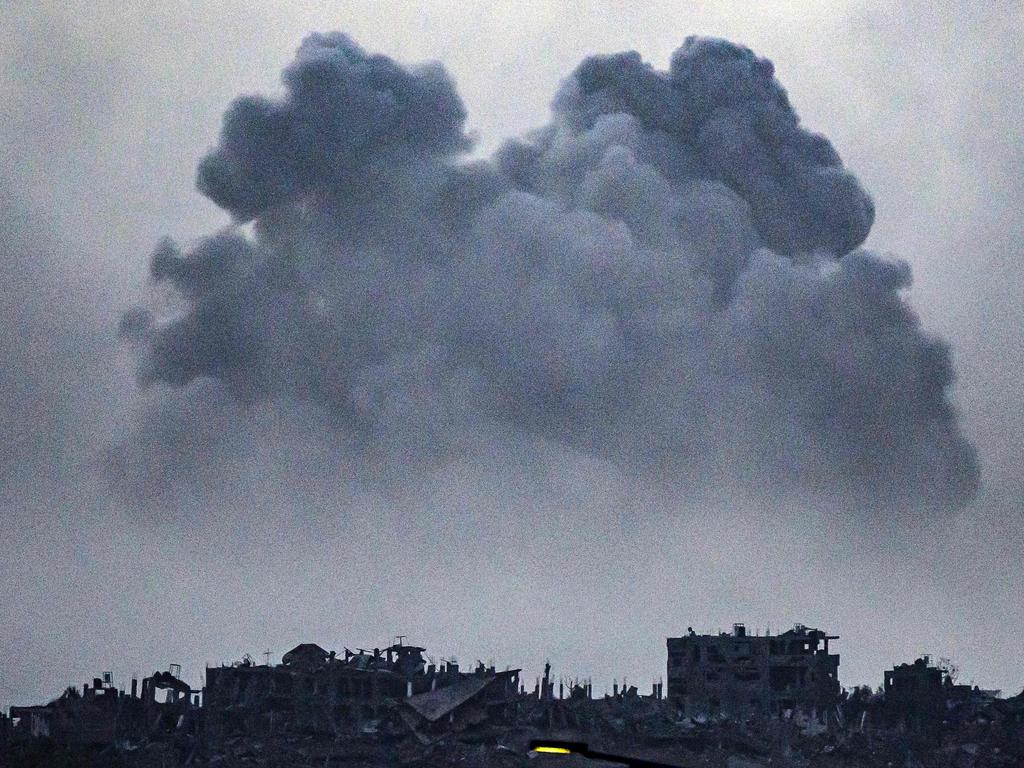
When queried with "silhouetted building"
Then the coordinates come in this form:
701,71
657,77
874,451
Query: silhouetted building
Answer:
914,693
922,695
101,714
739,674
314,691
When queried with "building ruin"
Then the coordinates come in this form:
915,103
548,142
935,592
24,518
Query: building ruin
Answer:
102,714
756,695
922,694
739,674
316,691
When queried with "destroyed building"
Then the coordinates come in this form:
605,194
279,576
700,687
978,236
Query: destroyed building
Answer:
921,695
486,696
318,692
394,706
102,714
739,674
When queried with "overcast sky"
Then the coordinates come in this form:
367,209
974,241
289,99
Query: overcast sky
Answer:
273,537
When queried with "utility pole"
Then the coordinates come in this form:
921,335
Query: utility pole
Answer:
266,654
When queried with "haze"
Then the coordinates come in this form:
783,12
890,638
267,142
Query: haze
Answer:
149,525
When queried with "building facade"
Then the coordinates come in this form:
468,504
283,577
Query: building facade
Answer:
921,695
315,691
101,714
739,674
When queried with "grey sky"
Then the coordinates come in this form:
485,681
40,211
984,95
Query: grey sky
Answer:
105,113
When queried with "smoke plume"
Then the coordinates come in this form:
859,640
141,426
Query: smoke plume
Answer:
668,276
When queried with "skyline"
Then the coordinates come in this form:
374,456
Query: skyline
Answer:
274,533
611,685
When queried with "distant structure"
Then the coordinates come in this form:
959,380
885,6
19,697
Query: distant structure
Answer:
394,707
915,694
316,691
311,692
739,674
921,695
101,714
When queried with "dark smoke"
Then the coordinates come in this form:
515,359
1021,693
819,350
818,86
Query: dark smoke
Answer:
719,114
667,276
348,117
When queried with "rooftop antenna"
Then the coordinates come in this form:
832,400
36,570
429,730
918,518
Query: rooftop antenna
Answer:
399,639
266,653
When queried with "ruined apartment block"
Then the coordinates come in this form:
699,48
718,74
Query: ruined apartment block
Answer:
315,691
739,674
921,695
100,714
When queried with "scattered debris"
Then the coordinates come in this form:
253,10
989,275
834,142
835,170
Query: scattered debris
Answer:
390,707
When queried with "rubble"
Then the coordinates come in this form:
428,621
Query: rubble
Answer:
390,707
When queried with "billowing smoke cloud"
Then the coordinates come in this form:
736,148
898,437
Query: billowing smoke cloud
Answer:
667,276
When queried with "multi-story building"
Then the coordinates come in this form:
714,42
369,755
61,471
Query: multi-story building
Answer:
316,691
923,694
102,714
739,674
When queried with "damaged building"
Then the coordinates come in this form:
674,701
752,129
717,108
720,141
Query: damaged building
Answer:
922,694
740,674
772,699
102,714
319,692
485,696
